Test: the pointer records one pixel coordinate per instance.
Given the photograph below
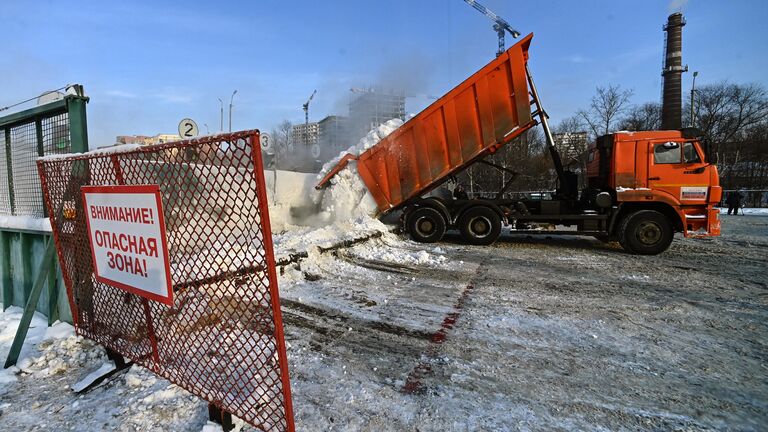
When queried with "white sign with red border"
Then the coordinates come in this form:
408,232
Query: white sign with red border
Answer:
128,243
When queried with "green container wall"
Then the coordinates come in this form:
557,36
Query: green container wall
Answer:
21,253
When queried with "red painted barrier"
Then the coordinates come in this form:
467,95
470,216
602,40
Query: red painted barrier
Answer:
184,285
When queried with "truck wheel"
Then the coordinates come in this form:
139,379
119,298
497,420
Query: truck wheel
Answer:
480,226
645,232
425,225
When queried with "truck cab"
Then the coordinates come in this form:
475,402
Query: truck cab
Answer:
655,173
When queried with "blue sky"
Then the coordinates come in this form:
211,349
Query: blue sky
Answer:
147,65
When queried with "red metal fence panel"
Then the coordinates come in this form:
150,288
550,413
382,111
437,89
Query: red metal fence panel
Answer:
221,336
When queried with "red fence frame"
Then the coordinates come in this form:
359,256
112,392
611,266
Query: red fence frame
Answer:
222,338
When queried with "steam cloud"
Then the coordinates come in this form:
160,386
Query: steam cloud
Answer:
676,5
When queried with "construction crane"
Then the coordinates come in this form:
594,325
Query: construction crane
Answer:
499,24
306,107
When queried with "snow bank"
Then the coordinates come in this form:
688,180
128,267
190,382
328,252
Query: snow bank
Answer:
58,338
294,191
747,211
122,148
25,223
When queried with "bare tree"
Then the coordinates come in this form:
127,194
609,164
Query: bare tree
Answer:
605,109
571,124
282,139
726,111
644,117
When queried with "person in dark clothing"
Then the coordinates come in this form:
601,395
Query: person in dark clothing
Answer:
459,193
734,202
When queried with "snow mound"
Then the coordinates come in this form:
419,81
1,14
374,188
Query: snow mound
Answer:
347,197
389,249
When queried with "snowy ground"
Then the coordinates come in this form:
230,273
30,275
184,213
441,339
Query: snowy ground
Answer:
530,333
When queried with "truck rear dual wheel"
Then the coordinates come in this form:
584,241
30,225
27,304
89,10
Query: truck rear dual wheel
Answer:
479,226
425,225
645,232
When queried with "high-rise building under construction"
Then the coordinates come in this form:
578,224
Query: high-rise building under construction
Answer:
371,108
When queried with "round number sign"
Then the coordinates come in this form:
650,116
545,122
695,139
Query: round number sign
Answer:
188,129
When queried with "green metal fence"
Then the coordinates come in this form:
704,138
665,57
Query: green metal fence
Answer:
55,128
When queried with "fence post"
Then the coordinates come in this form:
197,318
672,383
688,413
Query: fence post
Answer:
5,269
78,127
29,309
9,168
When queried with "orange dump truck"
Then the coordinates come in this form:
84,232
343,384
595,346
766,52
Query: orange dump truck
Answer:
642,187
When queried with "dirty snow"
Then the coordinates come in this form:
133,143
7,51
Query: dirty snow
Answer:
746,211
556,334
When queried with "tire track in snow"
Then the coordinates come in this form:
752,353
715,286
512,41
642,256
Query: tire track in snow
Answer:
414,382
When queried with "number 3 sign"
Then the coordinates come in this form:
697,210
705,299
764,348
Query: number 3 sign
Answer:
188,129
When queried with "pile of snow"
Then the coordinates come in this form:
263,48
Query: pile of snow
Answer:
46,349
397,255
302,239
345,201
347,197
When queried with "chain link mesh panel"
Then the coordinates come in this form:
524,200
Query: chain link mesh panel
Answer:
5,194
26,185
19,182
222,339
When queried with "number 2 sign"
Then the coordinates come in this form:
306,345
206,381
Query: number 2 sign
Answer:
188,128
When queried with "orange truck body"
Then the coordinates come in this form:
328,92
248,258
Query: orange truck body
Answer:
486,111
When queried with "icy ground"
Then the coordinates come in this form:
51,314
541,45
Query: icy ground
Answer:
528,334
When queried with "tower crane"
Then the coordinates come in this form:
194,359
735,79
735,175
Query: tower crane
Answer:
306,107
499,24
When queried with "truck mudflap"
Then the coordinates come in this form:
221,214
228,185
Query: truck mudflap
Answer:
702,225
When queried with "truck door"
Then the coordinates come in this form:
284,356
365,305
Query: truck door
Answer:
677,168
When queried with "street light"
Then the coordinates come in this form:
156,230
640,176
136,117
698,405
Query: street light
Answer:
230,109
693,102
221,125
207,131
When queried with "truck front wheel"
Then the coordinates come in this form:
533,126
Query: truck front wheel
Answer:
425,225
645,232
480,226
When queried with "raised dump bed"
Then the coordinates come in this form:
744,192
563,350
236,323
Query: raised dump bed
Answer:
486,111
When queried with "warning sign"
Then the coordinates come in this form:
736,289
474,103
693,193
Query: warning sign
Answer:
128,244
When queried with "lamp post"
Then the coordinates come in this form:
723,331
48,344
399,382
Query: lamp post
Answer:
230,109
221,124
207,131
693,100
